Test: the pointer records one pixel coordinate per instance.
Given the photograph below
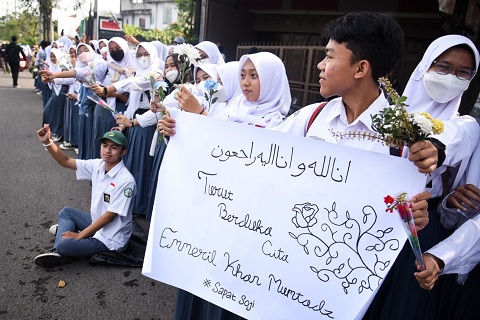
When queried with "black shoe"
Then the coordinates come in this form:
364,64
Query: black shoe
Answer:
51,260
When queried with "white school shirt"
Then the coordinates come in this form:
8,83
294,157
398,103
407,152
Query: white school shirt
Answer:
111,191
333,118
460,251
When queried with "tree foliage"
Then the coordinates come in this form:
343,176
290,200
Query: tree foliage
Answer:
183,27
24,26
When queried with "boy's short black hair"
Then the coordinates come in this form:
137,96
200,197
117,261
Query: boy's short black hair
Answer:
371,36
14,38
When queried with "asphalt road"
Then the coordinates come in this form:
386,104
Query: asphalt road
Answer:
33,189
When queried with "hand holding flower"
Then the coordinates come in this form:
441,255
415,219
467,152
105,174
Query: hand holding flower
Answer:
157,107
405,209
428,277
122,120
424,155
420,209
98,89
166,125
187,101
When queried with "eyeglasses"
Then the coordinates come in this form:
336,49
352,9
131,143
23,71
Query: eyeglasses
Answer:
461,73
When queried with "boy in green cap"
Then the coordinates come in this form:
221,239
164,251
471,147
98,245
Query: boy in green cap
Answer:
109,225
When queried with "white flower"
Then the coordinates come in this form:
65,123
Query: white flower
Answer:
423,123
90,65
187,50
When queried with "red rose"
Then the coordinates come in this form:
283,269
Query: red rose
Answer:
388,199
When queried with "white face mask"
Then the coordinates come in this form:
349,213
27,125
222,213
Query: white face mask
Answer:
85,57
172,75
221,95
204,61
443,87
144,62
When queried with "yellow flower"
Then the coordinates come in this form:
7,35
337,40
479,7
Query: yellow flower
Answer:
437,126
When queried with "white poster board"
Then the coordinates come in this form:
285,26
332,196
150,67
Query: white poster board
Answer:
272,226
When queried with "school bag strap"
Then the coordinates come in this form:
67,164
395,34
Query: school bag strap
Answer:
393,151
315,114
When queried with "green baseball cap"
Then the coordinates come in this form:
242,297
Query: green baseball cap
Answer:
115,136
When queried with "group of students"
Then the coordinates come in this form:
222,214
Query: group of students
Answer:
360,48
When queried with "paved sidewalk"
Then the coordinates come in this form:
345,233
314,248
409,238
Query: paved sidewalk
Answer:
34,189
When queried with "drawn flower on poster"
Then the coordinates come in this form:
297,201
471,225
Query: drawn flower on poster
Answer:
348,249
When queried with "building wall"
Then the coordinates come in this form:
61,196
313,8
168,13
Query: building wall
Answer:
286,23
153,12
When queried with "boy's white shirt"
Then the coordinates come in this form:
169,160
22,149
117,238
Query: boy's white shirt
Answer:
333,119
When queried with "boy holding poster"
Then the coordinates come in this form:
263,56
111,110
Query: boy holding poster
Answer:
361,48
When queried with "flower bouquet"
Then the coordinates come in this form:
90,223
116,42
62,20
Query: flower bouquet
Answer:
90,74
160,89
394,126
188,57
404,209
64,64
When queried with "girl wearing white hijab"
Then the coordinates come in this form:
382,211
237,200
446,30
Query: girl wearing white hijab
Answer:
209,52
204,72
137,160
274,98
460,252
46,91
70,127
162,52
265,100
436,87
54,109
121,65
95,46
228,75
428,92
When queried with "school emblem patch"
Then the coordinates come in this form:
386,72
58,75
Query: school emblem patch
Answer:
128,192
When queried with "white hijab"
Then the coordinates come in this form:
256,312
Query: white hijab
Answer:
274,101
64,43
59,54
96,47
228,74
162,50
417,98
138,99
211,49
128,60
80,64
150,48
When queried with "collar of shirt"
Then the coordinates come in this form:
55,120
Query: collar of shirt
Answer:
338,111
112,172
